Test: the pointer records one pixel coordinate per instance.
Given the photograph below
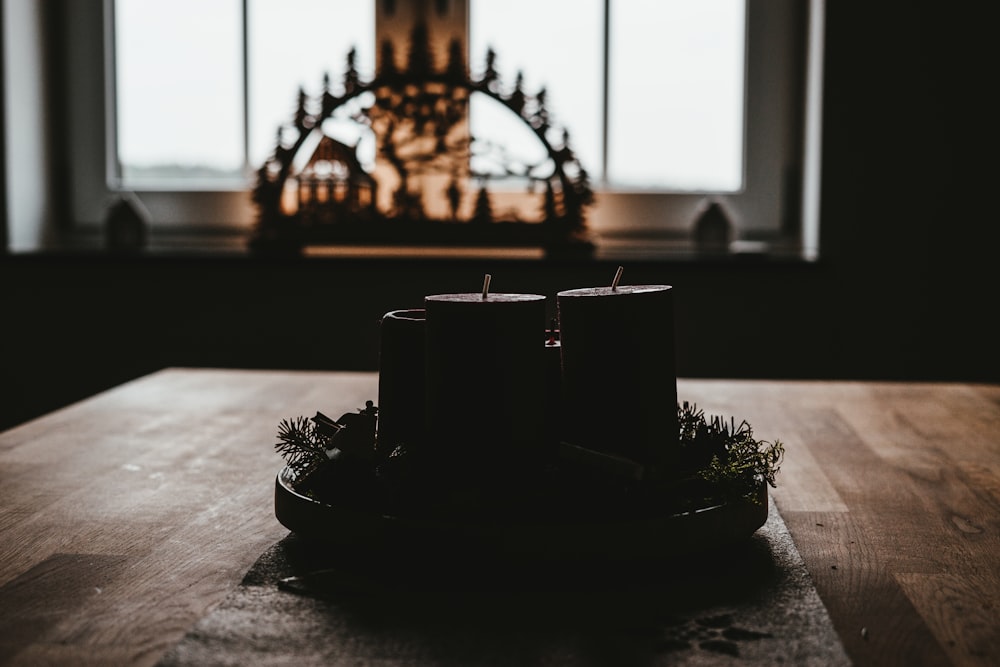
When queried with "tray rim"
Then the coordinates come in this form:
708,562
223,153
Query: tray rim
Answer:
669,535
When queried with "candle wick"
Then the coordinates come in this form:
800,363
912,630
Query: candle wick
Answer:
618,276
486,286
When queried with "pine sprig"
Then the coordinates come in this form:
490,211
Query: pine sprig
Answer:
719,458
726,454
301,444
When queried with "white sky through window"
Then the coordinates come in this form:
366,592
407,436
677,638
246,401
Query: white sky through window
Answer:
179,84
292,43
556,45
675,95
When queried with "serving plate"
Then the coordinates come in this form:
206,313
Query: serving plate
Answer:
625,538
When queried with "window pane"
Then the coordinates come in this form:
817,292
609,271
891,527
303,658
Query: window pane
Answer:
556,45
179,89
292,44
676,94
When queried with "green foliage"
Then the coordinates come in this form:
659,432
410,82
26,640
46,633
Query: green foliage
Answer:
302,445
719,460
726,455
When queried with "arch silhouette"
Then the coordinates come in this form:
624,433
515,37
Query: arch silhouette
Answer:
434,102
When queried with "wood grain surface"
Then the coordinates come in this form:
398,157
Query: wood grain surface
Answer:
127,517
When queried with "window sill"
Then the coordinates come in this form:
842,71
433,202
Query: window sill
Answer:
645,248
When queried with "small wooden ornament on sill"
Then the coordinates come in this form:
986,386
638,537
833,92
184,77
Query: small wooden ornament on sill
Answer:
126,225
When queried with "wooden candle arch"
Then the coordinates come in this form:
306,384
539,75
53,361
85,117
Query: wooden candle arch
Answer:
434,100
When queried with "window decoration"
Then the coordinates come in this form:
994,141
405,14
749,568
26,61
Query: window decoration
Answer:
393,161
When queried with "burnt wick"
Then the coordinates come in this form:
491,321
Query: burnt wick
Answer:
618,276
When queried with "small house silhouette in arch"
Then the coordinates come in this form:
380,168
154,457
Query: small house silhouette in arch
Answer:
332,184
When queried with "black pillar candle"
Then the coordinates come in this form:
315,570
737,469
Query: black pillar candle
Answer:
400,380
619,375
485,375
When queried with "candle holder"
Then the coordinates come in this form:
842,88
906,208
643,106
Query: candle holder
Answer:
493,439
566,506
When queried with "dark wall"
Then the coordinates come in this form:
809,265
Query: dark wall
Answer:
905,289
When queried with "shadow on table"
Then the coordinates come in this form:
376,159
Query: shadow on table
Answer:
455,606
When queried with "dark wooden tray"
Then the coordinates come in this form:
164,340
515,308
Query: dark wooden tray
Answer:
648,537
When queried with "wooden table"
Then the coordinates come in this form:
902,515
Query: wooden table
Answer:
127,517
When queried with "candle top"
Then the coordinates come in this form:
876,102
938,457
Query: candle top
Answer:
609,291
476,297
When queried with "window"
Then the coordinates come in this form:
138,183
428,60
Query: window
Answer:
692,100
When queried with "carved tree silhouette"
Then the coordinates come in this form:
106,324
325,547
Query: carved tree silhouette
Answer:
484,210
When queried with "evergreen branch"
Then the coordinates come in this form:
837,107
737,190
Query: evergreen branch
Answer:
301,444
727,455
723,455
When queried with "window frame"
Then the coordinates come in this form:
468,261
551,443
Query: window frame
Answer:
778,214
